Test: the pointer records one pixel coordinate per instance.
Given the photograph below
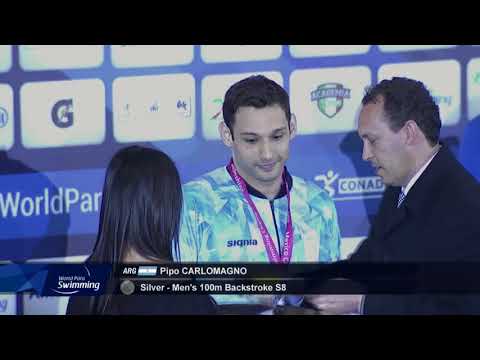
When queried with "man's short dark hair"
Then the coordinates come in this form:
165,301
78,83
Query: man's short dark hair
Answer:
257,91
406,99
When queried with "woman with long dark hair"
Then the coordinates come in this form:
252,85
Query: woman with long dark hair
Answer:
139,222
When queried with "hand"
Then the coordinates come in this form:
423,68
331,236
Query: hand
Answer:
267,300
294,310
335,304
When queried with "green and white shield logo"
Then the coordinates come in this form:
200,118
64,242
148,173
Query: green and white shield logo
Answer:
329,98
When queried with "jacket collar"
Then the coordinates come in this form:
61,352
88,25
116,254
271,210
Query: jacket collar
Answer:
429,183
281,193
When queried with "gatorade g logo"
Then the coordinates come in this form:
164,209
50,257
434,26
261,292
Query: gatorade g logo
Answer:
62,113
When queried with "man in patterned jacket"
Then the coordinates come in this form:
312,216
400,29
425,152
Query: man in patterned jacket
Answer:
253,209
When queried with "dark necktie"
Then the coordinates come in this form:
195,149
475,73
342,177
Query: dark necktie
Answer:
401,197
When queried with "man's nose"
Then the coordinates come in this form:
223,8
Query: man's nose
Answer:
366,152
266,151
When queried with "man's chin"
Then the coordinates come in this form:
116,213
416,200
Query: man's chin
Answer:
387,182
264,178
382,176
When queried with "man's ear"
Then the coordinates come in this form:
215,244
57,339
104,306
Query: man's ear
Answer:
225,134
293,126
412,132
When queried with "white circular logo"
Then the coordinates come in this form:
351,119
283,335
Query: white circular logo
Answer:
127,287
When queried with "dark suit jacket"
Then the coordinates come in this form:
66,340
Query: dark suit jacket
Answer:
439,221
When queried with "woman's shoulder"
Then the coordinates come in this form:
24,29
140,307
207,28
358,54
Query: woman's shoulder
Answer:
165,305
79,305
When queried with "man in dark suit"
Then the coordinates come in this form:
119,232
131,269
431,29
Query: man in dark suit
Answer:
430,211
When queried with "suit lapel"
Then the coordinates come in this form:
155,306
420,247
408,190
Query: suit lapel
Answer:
395,216
398,216
419,197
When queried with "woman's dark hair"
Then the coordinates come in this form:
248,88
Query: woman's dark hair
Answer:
140,211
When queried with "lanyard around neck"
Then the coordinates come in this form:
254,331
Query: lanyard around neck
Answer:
273,256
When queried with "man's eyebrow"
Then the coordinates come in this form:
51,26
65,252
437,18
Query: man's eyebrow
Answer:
255,134
279,129
249,133
366,135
